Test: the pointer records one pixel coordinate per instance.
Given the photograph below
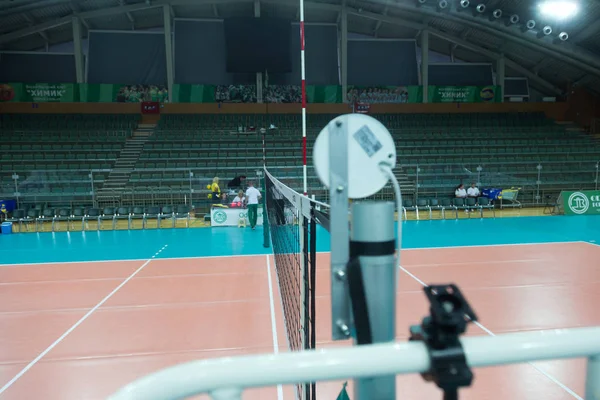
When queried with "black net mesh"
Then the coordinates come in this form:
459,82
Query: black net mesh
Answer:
293,236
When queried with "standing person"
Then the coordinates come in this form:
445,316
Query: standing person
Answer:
252,198
236,182
216,190
279,204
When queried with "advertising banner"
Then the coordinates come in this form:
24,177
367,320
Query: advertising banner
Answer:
231,216
464,94
108,93
39,92
585,202
384,94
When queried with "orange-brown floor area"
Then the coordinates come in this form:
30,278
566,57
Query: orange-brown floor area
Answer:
77,331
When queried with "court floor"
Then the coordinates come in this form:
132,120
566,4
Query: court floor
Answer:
83,313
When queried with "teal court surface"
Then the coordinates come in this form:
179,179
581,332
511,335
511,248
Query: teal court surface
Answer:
84,313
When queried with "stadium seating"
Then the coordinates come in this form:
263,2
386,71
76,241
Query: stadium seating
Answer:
51,157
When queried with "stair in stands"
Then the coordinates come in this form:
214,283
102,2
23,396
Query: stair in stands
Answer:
407,185
114,185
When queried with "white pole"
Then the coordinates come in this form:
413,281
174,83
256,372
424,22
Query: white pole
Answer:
303,77
205,376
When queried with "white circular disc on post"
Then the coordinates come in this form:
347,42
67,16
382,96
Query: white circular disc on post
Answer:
369,145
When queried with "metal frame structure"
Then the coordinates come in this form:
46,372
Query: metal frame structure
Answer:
226,378
391,14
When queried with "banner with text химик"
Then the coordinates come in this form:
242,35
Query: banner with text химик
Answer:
585,202
464,94
39,92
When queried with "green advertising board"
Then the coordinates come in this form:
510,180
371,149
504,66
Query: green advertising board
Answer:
39,92
585,202
384,94
464,94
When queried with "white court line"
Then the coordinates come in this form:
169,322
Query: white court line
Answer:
71,329
122,260
591,242
273,322
489,332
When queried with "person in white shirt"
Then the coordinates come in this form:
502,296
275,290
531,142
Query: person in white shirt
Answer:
252,197
239,199
461,193
473,192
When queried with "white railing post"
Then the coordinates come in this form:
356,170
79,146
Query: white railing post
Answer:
592,380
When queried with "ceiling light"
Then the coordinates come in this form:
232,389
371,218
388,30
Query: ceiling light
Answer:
559,9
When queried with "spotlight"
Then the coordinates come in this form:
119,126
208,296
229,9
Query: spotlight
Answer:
564,36
497,13
442,4
464,3
480,8
421,1
530,24
559,9
514,19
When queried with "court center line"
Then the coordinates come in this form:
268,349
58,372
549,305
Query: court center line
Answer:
72,328
489,332
273,321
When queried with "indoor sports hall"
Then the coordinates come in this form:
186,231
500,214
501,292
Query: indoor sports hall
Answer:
299,199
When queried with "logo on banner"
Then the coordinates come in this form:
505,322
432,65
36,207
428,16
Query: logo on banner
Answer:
578,203
7,93
487,94
220,217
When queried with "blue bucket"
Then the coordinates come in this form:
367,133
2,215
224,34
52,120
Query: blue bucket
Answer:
6,228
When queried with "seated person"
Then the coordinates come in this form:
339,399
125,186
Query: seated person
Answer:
224,198
473,192
460,192
239,200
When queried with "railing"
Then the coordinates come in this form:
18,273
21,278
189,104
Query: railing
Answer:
166,186
226,378
536,180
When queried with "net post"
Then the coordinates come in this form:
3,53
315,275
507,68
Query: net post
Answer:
375,251
266,232
313,279
302,224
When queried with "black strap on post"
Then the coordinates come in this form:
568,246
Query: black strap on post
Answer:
360,311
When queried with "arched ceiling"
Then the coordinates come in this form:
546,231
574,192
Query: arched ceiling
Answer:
550,63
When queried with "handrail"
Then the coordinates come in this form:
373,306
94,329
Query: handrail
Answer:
225,378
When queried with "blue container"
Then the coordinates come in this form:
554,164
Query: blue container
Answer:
491,194
6,228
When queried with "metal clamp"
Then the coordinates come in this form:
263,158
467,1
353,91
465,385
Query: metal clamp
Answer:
449,316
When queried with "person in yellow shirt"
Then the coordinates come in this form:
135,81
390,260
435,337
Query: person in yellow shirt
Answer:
216,190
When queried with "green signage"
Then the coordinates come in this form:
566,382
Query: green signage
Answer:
384,94
586,202
464,94
39,92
